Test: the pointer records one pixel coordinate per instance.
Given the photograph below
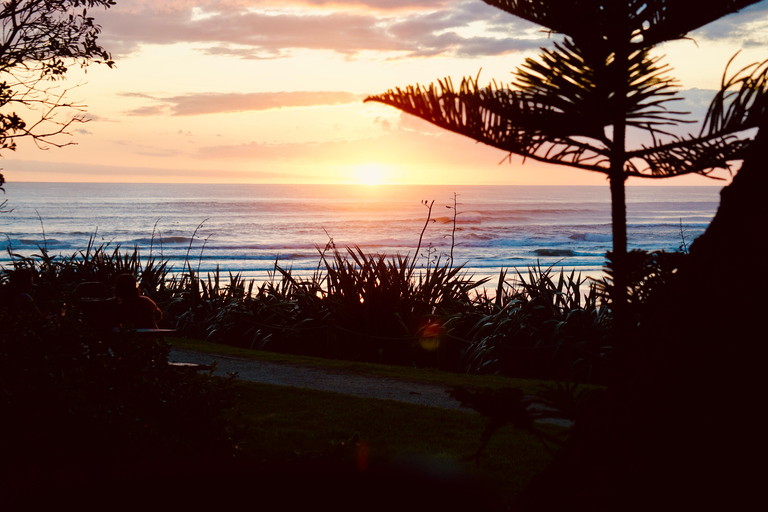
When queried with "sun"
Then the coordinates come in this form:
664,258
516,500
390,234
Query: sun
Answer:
370,174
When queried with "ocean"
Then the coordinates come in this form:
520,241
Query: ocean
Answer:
248,228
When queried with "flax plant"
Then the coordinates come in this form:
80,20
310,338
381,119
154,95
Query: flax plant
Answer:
539,325
57,276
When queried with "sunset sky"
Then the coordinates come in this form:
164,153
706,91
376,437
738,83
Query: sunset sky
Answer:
249,91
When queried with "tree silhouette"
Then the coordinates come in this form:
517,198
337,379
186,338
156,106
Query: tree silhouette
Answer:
575,104
39,39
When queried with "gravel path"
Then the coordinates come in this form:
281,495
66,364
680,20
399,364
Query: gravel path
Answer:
324,379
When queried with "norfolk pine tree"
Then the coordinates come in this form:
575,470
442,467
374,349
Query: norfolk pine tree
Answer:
575,103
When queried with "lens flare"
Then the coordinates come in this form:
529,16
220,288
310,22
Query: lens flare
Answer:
430,336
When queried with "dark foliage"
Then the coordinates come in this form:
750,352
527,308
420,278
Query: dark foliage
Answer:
78,406
679,427
541,325
361,306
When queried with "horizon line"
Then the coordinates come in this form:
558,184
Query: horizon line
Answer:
363,185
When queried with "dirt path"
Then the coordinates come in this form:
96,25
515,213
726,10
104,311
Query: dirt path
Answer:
324,379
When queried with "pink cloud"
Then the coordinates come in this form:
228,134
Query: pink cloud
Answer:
229,28
105,172
257,29
216,103
445,149
225,5
149,110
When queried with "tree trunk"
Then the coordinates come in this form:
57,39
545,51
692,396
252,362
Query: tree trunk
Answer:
618,194
619,252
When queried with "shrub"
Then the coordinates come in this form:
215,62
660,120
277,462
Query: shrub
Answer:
538,327
649,273
75,400
379,308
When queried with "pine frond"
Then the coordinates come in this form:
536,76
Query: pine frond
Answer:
741,102
582,87
514,121
693,155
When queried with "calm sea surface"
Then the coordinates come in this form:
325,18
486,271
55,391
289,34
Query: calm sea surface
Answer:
246,228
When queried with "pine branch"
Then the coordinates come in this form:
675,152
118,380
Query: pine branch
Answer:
688,156
741,102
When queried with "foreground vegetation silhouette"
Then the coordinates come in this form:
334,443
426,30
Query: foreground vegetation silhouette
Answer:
103,409
675,428
356,306
359,306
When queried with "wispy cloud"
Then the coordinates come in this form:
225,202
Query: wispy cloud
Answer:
415,138
750,26
257,30
149,110
115,173
219,103
267,29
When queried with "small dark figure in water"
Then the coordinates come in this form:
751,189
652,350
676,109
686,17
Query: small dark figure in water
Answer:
135,309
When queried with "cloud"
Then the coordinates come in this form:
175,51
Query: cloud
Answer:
97,118
148,111
115,173
732,27
256,30
218,103
269,29
147,150
412,136
249,150
385,124
696,101
408,122
483,46
223,5
382,5
421,143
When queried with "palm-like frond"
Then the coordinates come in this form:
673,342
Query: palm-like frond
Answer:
688,155
740,103
515,121
561,101
582,86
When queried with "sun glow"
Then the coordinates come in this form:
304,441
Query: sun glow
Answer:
370,174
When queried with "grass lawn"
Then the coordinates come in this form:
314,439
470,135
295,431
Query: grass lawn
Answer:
429,375
284,424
